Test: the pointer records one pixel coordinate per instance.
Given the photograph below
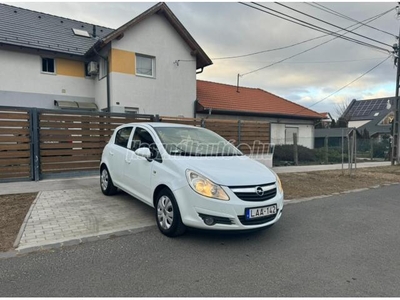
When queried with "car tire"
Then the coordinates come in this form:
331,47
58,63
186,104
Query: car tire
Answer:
168,216
106,183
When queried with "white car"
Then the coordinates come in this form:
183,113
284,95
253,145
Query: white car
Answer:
192,176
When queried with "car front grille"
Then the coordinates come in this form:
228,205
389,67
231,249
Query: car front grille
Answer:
257,221
249,193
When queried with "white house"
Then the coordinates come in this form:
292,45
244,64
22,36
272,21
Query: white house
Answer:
147,65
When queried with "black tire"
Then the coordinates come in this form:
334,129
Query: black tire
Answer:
168,216
106,183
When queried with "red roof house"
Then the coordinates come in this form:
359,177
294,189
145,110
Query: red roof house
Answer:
217,100
226,99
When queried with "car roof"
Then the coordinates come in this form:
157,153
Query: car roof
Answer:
159,124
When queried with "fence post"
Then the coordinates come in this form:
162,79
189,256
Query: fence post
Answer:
156,118
326,150
371,148
355,150
35,158
295,149
203,123
239,132
342,152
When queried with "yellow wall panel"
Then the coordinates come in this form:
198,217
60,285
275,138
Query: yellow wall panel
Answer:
122,61
70,67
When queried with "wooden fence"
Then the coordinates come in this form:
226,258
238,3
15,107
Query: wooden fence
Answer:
15,143
75,141
35,143
248,136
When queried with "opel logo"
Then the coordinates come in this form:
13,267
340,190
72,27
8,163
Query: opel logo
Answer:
259,191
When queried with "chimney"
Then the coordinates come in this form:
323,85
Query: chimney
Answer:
94,30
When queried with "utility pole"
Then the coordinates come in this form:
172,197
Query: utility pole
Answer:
395,138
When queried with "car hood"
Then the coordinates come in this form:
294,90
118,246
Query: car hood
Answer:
230,171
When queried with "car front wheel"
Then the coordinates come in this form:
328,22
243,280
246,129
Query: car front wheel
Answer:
168,216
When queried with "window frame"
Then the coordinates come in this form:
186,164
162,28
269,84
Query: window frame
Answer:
153,65
127,141
103,72
155,152
54,65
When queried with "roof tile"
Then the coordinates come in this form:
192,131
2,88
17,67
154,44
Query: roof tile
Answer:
220,96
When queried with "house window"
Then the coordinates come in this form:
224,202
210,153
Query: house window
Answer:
48,65
102,68
86,65
289,135
388,119
145,65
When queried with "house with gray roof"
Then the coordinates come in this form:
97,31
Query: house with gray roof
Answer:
373,115
147,65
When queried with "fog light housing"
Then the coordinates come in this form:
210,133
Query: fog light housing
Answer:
209,221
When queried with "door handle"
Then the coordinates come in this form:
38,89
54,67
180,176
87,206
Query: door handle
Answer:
111,153
128,161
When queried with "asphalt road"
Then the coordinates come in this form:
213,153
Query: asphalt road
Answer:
346,245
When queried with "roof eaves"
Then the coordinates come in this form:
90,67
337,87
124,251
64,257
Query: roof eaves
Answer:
202,109
201,57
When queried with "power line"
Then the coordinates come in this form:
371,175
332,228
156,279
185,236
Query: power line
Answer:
302,52
317,62
343,87
299,43
336,13
317,28
269,50
318,19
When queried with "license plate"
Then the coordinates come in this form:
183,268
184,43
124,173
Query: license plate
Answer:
259,212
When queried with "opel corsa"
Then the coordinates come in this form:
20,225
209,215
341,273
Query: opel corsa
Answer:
192,177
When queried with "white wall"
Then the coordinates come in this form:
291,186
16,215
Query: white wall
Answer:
173,91
357,124
305,136
21,73
278,127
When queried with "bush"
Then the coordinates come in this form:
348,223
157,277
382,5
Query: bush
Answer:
334,155
285,153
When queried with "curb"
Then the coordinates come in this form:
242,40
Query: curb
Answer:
294,201
77,241
21,230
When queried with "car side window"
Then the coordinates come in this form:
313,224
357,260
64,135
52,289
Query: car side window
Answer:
122,136
142,138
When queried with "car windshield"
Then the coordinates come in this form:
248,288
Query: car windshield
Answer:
194,142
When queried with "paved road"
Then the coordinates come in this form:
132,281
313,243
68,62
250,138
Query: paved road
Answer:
346,245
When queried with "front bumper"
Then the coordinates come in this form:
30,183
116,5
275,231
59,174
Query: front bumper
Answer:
229,215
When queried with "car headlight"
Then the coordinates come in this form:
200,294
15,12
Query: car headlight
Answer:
279,184
205,186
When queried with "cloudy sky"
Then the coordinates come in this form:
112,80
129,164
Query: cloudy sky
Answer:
231,29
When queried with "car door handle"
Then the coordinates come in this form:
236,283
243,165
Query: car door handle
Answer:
111,153
128,161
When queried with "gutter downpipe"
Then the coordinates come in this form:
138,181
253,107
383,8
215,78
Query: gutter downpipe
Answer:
108,79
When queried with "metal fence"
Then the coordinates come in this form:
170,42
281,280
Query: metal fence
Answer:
331,151
40,143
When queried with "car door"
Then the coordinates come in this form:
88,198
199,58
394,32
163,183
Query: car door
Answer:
138,170
117,155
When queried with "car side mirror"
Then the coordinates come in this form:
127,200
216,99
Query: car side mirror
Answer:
143,152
